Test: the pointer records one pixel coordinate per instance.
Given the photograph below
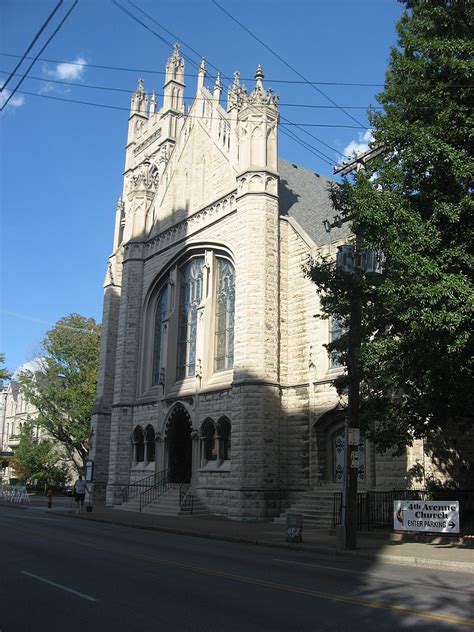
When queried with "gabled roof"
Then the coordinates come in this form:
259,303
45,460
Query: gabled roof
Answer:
304,196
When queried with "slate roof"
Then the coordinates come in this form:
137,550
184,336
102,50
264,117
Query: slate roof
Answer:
304,197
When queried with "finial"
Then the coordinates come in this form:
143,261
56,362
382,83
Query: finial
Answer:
176,48
218,84
236,78
202,65
259,73
141,85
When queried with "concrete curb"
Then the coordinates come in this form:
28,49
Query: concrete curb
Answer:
401,560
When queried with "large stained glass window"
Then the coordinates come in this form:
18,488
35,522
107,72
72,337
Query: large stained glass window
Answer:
190,298
225,306
160,316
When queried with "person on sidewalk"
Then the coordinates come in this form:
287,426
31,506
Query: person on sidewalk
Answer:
80,489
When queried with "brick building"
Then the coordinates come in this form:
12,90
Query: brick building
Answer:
212,361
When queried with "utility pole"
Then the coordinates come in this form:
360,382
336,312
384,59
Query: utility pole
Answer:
352,260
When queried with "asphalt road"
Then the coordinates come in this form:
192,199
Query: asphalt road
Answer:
61,575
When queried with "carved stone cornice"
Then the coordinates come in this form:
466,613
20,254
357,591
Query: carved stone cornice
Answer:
192,224
147,142
257,182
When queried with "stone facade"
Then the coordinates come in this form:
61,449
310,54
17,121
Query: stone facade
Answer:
203,186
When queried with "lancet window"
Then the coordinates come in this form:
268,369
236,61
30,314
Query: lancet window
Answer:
190,299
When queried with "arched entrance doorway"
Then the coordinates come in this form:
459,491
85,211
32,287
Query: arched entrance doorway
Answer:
329,450
179,446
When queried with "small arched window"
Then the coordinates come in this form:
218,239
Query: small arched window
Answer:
138,445
223,430
158,336
149,444
209,439
225,308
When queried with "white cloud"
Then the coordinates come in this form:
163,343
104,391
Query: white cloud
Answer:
47,87
36,364
358,146
67,71
15,102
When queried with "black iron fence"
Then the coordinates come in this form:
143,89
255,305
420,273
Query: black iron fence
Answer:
375,508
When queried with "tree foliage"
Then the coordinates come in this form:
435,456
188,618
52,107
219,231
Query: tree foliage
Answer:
414,202
63,389
38,461
4,374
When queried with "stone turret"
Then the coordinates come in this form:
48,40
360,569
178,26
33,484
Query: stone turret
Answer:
173,88
258,119
201,77
137,118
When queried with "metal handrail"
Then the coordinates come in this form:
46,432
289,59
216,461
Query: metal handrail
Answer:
186,500
159,487
134,489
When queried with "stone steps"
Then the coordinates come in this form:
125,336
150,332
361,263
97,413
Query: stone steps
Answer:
315,506
165,505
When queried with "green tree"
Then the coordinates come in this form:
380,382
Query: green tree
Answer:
38,462
414,202
63,389
4,374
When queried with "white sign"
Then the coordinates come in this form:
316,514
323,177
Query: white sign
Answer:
353,436
426,516
354,459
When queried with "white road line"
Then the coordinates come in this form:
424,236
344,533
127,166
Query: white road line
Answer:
47,581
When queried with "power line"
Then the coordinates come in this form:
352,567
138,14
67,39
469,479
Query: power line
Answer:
194,64
37,56
269,79
195,98
285,62
119,107
158,94
22,59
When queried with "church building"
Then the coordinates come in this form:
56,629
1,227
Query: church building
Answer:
213,371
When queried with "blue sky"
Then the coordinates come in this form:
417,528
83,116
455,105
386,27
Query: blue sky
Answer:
61,162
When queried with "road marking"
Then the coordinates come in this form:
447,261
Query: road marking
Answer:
423,614
71,590
29,517
379,577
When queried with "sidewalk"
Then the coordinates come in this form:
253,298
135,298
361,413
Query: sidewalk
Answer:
450,554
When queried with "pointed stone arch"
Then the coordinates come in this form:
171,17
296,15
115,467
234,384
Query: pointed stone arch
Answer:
178,443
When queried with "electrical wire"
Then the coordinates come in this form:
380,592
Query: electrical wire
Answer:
133,17
56,30
195,98
288,65
269,79
118,107
23,57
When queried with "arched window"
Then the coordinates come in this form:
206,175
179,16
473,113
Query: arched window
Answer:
225,307
223,430
190,298
209,440
138,446
160,316
149,444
